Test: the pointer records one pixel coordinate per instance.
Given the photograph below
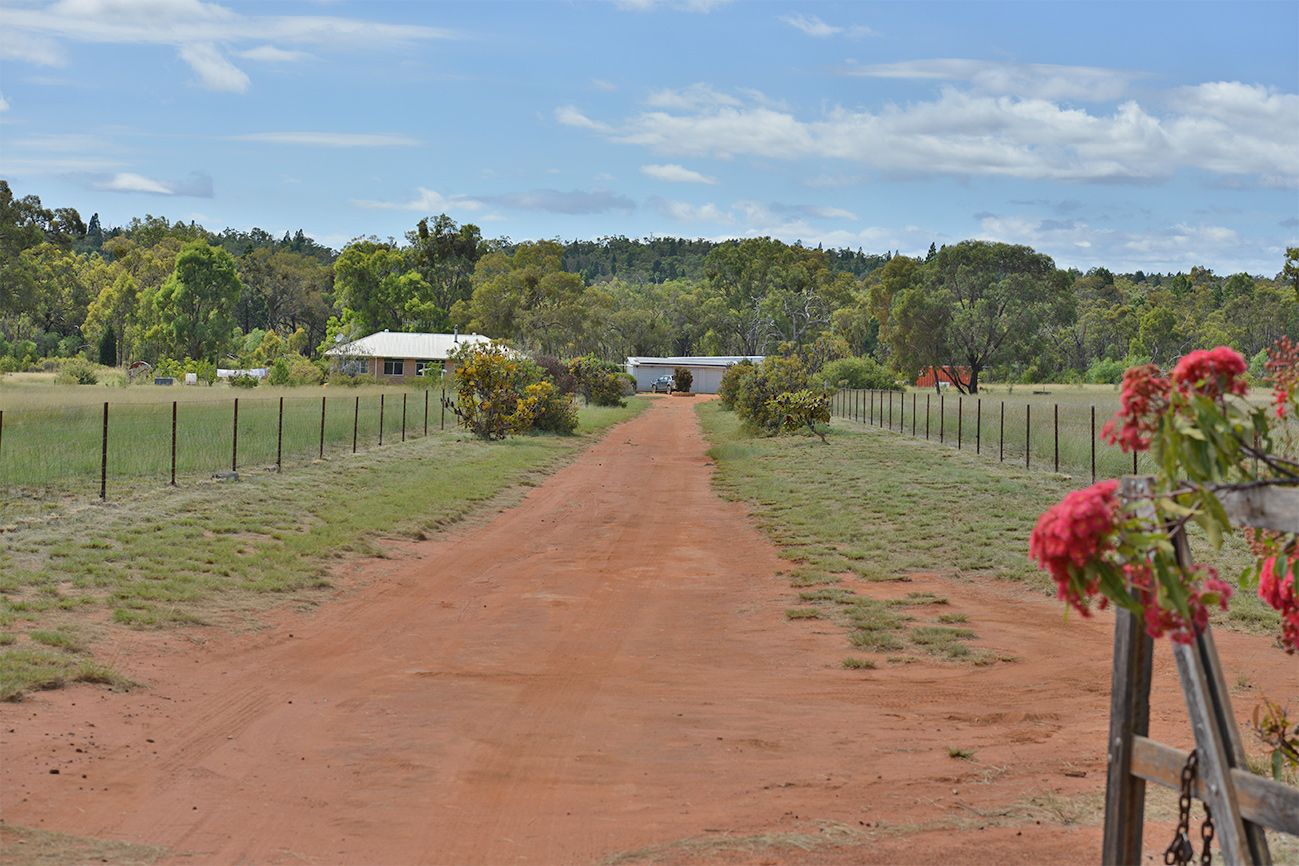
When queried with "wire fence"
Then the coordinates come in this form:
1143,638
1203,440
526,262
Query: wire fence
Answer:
84,447
1037,434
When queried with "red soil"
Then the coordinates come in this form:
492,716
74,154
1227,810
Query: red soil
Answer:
604,669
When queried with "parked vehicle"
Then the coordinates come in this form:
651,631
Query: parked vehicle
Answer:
663,384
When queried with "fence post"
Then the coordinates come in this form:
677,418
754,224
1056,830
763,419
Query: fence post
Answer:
890,410
234,441
942,418
426,411
978,425
1001,437
444,408
381,396
902,412
103,458
960,421
1134,463
1057,437
1028,433
927,414
871,417
403,417
322,428
1093,444
913,414
279,439
2,429
173,443
356,417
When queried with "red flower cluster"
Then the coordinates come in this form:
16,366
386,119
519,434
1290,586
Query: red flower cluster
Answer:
1211,372
1073,533
1283,370
1144,399
1276,586
1161,621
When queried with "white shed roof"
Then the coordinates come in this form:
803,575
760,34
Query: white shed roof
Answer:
694,361
397,344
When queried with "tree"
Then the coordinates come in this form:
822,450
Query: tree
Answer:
195,306
1290,270
445,255
1000,299
378,284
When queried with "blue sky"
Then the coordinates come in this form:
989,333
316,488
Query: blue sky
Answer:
1149,136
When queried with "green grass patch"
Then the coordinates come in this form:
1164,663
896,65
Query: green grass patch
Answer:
952,618
853,663
960,754
23,670
802,613
58,639
212,552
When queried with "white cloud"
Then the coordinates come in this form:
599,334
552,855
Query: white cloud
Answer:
1225,128
673,173
214,70
813,26
197,184
1039,80
691,98
570,116
685,212
271,54
427,201
4,103
33,33
30,48
330,139
601,84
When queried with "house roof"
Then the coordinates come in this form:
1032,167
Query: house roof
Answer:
694,361
398,344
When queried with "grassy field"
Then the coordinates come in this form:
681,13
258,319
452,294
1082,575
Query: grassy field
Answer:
217,553
876,506
51,438
975,423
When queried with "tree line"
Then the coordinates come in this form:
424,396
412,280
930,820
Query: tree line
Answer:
154,289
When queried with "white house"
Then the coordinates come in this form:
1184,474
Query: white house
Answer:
706,370
396,356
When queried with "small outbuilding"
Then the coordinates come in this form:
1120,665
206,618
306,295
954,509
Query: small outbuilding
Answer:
707,370
397,356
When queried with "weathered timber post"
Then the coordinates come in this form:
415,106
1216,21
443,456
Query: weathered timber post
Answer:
234,440
279,440
103,458
173,443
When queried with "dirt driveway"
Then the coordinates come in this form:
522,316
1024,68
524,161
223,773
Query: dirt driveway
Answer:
602,673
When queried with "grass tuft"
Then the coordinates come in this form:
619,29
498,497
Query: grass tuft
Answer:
853,663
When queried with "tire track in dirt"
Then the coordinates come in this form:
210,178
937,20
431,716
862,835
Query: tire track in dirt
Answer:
604,668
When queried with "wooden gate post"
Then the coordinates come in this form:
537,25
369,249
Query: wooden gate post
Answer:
1125,794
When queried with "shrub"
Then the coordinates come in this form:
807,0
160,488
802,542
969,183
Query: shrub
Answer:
1106,372
294,370
497,393
204,370
732,381
78,371
349,381
558,372
598,381
863,372
803,408
243,381
776,375
682,379
556,412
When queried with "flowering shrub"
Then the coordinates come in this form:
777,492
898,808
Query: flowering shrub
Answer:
1205,441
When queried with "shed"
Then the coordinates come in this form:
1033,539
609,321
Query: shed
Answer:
398,356
707,369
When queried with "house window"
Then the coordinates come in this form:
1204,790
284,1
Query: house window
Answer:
394,367
354,366
428,368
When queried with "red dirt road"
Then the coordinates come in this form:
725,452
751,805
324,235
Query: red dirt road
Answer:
603,669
